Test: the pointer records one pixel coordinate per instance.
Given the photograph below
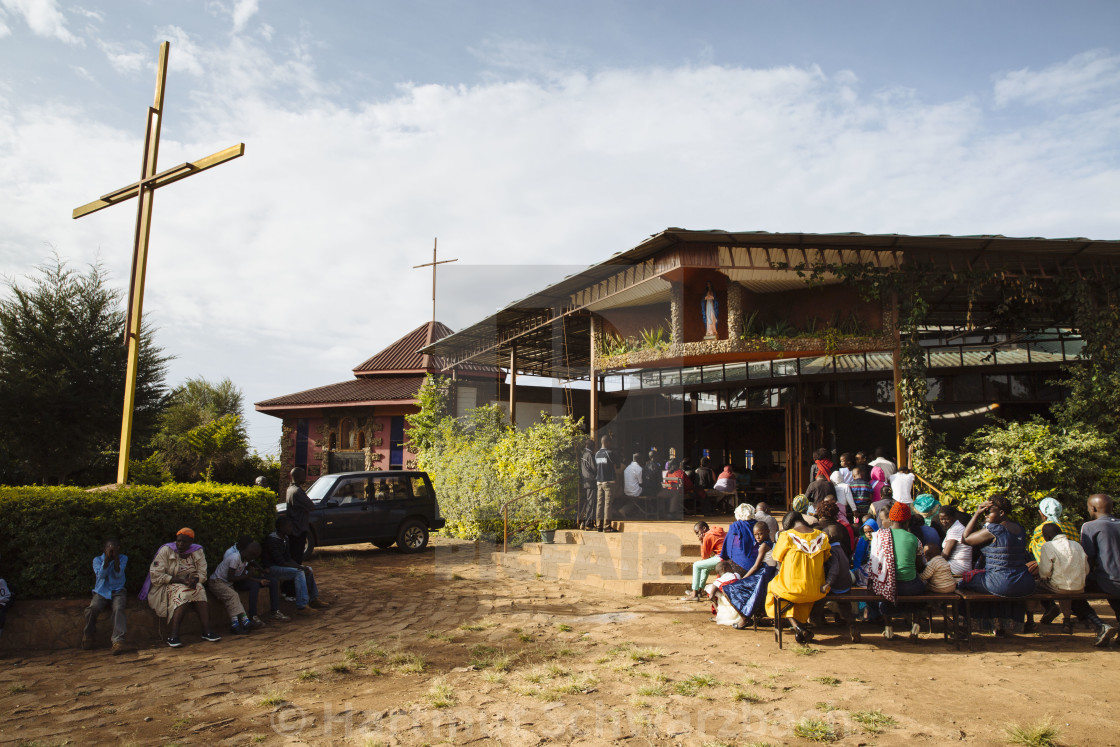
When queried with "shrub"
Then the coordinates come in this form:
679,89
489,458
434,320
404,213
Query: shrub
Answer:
51,535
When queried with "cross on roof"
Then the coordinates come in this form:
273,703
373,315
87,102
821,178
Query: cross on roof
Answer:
149,182
433,264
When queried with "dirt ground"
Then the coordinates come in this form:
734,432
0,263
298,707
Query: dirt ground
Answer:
440,648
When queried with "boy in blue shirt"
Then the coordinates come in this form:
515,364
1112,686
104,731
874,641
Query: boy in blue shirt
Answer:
108,589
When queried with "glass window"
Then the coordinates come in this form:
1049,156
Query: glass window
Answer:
968,388
935,389
321,487
785,395
820,392
713,374
1020,386
612,383
758,397
760,370
884,390
996,387
631,381
677,403
737,399
419,487
651,379
735,371
351,490
390,488
704,401
691,376
785,368
671,377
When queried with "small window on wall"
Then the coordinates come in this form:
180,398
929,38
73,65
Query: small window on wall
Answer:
748,458
778,459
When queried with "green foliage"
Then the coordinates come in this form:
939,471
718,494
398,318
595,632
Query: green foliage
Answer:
1028,461
51,535
201,432
1094,386
62,372
150,471
479,462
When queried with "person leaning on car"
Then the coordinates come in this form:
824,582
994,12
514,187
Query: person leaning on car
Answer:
299,509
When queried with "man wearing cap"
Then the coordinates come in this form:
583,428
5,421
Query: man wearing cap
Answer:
174,583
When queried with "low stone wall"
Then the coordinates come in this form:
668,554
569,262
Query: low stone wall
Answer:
57,623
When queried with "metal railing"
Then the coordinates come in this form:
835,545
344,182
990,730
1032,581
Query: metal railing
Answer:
928,484
507,504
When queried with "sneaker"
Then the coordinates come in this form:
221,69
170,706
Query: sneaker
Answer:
1067,627
212,637
256,622
239,628
915,632
175,642
888,631
278,615
1105,633
853,634
87,642
319,604
1050,615
306,611
289,598
119,648
690,596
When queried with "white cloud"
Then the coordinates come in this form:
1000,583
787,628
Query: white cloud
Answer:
122,58
243,10
83,73
93,15
1084,77
43,18
185,54
285,268
4,30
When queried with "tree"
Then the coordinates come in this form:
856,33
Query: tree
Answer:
62,372
201,430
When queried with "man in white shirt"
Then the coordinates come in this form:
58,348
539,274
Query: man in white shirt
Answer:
632,478
902,486
883,463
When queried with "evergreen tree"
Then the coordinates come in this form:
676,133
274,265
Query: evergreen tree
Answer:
201,432
62,373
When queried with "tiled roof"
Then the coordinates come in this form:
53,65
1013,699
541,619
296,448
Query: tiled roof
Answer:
355,391
404,354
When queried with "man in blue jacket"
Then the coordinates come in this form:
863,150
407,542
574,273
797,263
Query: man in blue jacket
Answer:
108,590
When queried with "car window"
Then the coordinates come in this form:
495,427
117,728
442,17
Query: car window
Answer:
350,490
320,488
419,487
389,488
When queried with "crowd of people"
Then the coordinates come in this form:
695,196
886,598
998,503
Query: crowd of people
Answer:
178,579
858,525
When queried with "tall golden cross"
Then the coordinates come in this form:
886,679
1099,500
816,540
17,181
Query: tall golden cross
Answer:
149,182
433,264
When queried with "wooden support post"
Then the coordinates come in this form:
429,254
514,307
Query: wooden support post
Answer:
513,386
593,415
901,456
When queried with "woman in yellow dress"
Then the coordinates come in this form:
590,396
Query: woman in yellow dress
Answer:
802,552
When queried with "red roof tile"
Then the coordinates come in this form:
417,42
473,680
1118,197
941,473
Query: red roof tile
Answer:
404,355
381,389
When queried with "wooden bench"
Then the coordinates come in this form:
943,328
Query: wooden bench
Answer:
948,603
968,597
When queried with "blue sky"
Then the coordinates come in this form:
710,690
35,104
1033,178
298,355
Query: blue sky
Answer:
542,134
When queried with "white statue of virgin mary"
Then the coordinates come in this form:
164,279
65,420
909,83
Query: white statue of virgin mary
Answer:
709,312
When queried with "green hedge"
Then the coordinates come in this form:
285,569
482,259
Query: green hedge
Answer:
49,536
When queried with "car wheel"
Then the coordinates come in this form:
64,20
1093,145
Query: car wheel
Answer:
413,536
384,544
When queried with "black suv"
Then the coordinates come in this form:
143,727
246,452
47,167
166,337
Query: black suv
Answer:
383,507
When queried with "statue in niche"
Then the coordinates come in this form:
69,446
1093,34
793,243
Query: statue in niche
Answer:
709,312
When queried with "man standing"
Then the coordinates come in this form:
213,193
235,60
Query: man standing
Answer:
606,473
108,590
883,463
586,516
299,508
278,559
1100,538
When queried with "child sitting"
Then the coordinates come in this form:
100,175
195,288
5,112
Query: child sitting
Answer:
938,575
1062,568
722,611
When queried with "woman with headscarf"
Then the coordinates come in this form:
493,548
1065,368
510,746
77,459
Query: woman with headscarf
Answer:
174,583
895,567
739,545
802,552
1051,510
926,506
747,594
1005,572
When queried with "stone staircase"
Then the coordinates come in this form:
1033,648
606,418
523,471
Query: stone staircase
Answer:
643,558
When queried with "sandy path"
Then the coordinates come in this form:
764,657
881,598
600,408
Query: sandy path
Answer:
469,655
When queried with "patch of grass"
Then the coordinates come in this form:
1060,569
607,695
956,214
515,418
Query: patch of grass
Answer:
620,648
691,687
17,688
341,667
456,577
441,695
372,648
407,662
476,626
307,675
488,657
646,654
1039,734
801,650
873,721
564,627
272,697
85,692
435,635
657,690
825,707
108,711
830,681
495,677
745,696
583,683
816,730
180,723
524,637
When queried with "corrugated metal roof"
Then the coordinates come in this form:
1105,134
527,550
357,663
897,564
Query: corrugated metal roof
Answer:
404,355
355,391
882,361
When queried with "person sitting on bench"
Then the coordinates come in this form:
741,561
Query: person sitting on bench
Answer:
711,545
1005,572
1062,568
902,550
802,552
1100,537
